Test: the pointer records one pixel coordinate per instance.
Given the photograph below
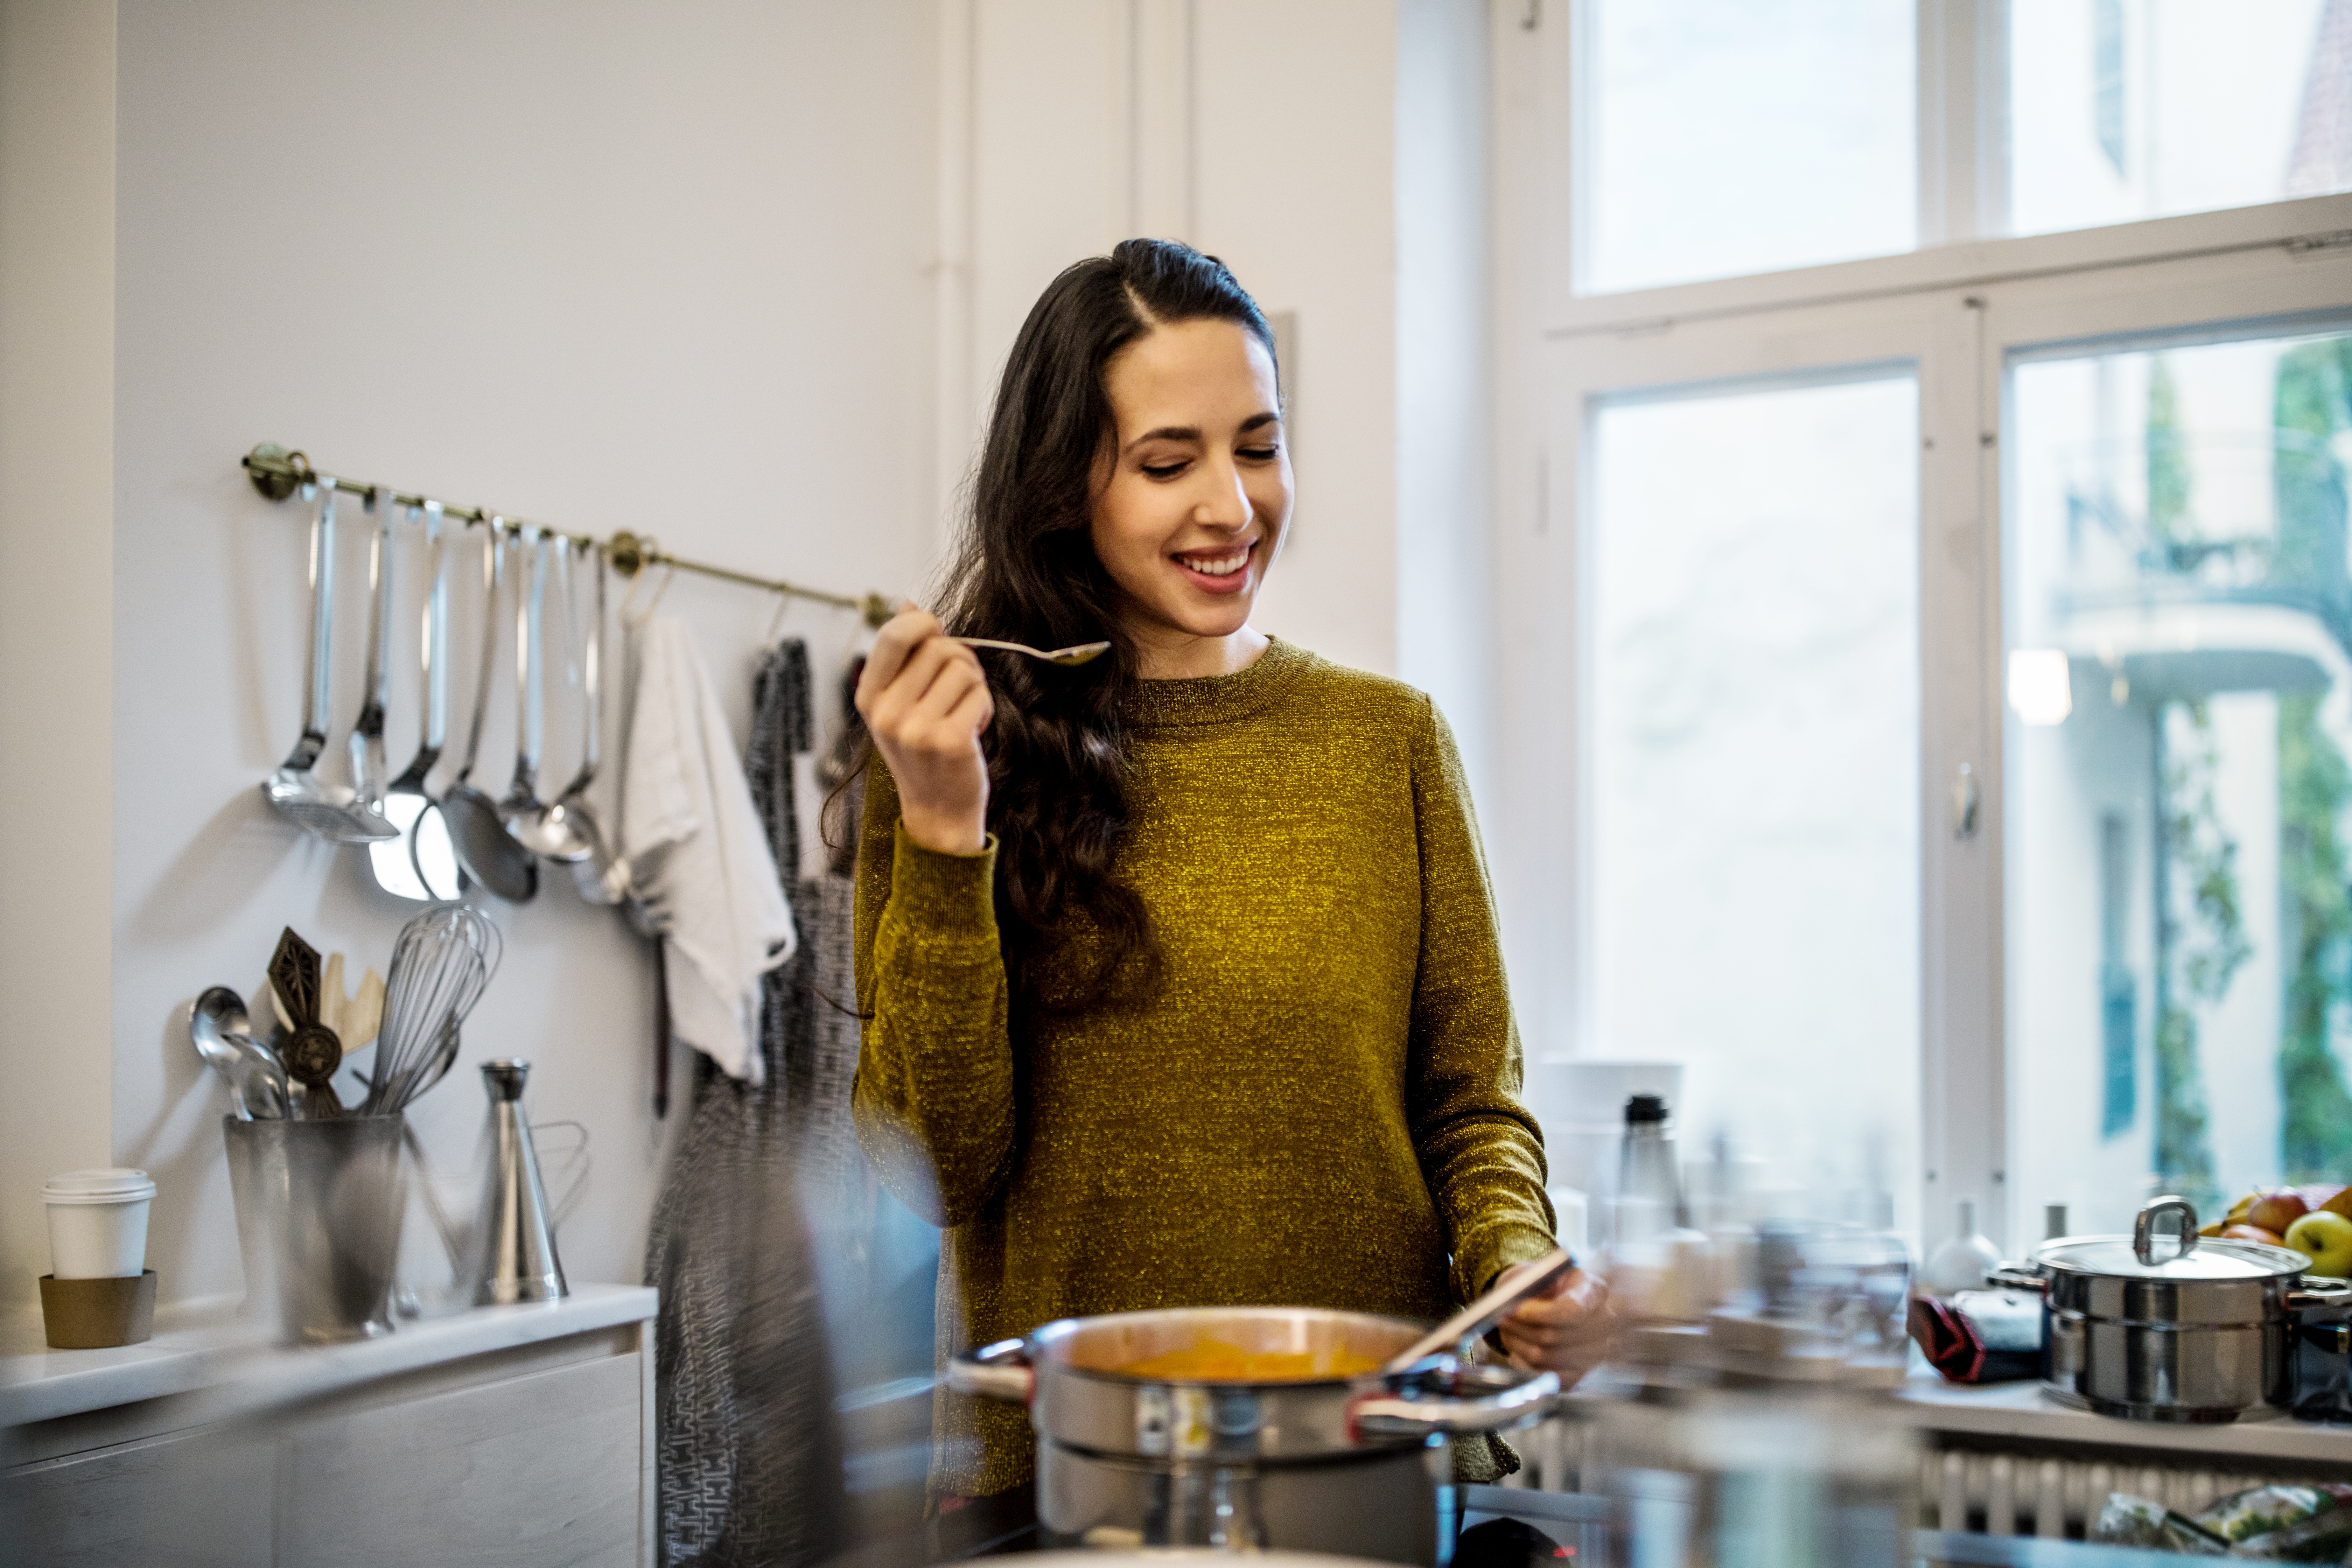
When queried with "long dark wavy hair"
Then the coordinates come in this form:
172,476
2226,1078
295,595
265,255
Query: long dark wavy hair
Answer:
1024,569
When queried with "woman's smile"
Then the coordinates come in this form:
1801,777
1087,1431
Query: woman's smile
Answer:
1218,569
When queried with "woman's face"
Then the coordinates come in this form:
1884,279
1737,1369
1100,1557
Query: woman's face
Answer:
1198,489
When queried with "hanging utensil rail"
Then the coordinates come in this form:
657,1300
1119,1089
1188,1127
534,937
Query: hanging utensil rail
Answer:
279,473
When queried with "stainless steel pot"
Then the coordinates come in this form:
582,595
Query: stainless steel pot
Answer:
1344,1464
2202,1333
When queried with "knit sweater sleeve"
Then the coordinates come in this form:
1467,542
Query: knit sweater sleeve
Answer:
1480,1150
933,1098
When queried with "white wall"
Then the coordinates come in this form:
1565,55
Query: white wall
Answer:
1447,635
619,266
56,388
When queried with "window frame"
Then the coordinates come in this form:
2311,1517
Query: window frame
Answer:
1962,309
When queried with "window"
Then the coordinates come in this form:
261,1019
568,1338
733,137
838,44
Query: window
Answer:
1755,751
2179,926
1929,664
1731,136
2136,108
1713,139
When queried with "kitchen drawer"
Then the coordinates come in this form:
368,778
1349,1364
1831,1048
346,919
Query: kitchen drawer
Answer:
528,1473
195,1500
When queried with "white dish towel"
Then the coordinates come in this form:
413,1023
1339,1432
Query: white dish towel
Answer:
698,863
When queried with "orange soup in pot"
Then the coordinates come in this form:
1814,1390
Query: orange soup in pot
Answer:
1212,1361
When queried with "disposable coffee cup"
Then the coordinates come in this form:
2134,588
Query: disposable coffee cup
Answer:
98,1224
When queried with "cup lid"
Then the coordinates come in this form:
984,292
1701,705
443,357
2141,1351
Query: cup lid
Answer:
113,1184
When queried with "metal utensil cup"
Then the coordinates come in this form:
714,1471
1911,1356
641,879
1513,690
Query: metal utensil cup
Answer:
319,1207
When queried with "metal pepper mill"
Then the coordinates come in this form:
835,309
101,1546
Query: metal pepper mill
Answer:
514,1241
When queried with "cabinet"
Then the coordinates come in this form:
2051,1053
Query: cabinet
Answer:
514,1457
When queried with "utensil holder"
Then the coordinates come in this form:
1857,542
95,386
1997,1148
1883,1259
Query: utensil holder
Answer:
318,1206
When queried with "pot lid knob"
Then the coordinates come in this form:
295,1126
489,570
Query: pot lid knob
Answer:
2144,1227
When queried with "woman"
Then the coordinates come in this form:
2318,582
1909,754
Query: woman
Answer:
1180,967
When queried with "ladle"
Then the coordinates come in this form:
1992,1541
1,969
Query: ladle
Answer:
421,864
304,798
553,829
522,811
1068,658
224,1038
490,854
367,731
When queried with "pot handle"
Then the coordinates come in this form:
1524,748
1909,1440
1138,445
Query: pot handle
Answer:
2317,1291
2019,1276
2144,1227
1001,1371
1518,1399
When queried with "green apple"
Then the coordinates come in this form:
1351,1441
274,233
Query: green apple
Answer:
2325,1237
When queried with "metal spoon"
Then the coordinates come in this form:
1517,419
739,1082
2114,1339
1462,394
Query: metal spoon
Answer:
549,829
1076,654
224,1038
490,854
420,864
596,872
367,731
310,801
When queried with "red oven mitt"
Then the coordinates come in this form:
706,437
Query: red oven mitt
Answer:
1980,1336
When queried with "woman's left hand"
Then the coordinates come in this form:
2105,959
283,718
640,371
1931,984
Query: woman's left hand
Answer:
1566,1328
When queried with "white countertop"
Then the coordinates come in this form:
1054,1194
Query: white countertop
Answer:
206,1347
2020,1410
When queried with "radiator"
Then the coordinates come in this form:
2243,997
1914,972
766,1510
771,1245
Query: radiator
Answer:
1997,1493
1973,1485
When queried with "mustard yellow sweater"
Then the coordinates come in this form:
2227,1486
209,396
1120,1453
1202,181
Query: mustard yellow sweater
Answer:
1319,1106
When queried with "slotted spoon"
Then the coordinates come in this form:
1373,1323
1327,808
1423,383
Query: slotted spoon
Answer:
303,798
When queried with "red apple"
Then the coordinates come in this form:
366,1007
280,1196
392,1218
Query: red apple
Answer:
2252,1232
2273,1212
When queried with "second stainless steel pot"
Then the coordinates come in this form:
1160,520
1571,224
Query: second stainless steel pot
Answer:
2149,1329
1336,1463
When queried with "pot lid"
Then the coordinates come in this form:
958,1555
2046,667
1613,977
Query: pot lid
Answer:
2211,1261
2148,1255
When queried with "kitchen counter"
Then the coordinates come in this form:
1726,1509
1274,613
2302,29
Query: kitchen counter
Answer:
2019,1411
206,1349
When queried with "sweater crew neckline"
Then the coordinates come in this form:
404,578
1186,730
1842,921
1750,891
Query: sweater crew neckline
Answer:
1216,699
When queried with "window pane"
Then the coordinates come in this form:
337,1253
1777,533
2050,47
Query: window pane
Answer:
2179,929
2134,109
1754,873
1728,136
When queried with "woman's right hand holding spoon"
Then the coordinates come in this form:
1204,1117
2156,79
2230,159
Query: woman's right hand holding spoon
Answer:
926,701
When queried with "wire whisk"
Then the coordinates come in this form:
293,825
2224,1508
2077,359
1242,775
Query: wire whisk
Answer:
444,958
